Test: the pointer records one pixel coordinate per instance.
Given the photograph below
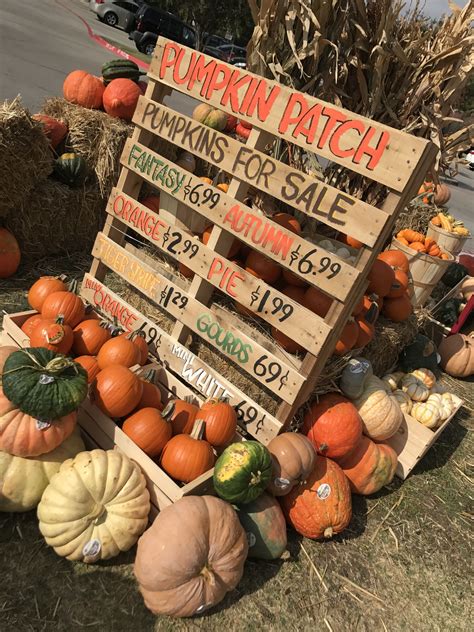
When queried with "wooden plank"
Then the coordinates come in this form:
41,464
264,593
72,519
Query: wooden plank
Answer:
315,265
303,192
234,344
199,375
356,142
300,324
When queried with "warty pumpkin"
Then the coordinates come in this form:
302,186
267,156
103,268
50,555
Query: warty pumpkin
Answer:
355,376
89,336
24,479
369,467
117,391
53,334
320,507
185,457
42,288
149,430
23,435
118,351
293,457
104,506
190,557
220,421
333,425
457,355
10,254
89,364
380,412
84,89
65,304
265,527
44,384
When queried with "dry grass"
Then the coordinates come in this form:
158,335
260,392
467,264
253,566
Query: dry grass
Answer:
25,155
403,563
390,338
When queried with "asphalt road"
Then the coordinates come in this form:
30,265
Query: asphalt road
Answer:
41,41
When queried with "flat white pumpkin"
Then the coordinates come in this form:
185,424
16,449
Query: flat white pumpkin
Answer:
426,376
415,388
96,506
24,479
445,406
404,400
380,411
427,413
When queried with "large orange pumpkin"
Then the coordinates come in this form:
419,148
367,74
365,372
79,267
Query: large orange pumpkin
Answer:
397,309
399,285
84,89
220,421
317,301
117,391
89,363
396,259
42,288
235,246
381,278
22,435
120,98
119,350
262,267
89,336
55,131
366,332
30,323
348,338
53,334
65,304
321,506
10,254
333,425
149,430
369,466
185,457
287,221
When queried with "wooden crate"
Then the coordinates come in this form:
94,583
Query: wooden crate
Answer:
413,440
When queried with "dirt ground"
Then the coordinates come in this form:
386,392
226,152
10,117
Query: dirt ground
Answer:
403,564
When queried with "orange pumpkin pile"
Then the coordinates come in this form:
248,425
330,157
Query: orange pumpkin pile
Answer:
416,241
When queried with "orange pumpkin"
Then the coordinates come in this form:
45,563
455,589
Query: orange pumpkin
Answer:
286,343
120,98
262,267
350,241
411,235
434,250
117,391
223,186
348,338
220,421
287,221
182,415
65,304
185,271
397,309
42,288
396,259
152,202
10,254
89,336
89,363
369,467
294,292
417,245
381,278
333,425
317,301
139,340
234,249
30,323
292,279
399,285
185,457
366,332
149,430
119,350
52,334
56,131
84,89
321,506
151,396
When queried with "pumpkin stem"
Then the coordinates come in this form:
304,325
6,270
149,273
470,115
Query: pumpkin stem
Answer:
207,574
328,533
73,286
256,478
168,410
198,429
149,376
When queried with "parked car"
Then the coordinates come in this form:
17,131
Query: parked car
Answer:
214,40
470,159
119,13
213,52
231,52
151,22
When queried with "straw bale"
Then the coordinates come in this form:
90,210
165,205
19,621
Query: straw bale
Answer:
389,340
25,155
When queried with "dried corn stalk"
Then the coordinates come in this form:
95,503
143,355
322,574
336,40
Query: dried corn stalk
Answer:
372,58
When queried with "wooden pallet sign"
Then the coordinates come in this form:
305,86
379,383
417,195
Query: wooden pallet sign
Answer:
373,150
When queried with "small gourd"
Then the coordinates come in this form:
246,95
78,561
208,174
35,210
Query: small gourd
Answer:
415,388
354,377
404,400
392,380
427,413
426,376
445,406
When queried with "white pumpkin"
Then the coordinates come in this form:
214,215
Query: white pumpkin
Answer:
380,411
426,376
23,480
392,380
427,413
415,388
404,401
445,405
96,506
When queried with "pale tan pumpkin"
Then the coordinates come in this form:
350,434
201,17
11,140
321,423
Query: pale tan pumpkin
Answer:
445,406
427,413
191,556
404,400
457,355
426,376
392,380
96,506
415,388
381,413
23,480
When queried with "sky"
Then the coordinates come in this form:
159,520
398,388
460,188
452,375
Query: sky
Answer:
435,8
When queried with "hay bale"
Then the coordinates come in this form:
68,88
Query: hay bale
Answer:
96,136
389,340
57,220
25,155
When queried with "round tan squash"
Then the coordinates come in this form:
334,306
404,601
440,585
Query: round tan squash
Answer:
96,506
381,413
191,556
445,405
457,355
23,480
427,413
467,288
426,376
293,457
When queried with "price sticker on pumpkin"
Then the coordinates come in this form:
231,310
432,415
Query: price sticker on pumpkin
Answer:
323,491
251,539
42,425
91,551
45,379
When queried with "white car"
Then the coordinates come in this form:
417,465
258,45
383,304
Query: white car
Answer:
470,159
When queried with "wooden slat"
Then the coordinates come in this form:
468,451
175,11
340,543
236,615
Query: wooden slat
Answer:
237,346
303,192
199,375
328,130
275,308
315,265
